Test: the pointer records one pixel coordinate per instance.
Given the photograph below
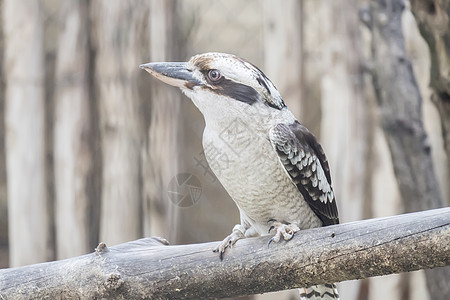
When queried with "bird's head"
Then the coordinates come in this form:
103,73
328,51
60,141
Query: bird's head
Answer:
219,83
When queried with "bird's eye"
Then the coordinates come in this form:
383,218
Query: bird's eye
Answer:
214,75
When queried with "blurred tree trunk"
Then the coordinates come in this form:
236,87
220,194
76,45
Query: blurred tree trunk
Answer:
160,152
313,14
283,49
25,132
400,106
419,54
73,134
433,18
3,188
120,27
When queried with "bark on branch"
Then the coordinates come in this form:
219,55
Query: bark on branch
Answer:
148,268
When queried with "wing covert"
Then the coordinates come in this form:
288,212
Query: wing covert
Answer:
306,163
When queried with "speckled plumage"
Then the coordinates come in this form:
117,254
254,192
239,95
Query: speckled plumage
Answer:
254,176
273,168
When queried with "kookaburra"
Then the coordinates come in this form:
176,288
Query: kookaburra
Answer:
270,164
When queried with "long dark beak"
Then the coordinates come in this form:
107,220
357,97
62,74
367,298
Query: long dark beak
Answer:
173,73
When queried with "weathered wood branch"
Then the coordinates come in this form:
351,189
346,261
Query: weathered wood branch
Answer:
149,269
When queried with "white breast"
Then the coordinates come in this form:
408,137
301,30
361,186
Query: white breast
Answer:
242,157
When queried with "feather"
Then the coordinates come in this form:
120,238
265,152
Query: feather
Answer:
304,159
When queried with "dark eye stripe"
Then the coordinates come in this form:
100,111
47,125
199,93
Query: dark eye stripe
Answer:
235,90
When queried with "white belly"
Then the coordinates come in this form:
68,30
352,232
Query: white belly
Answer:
248,168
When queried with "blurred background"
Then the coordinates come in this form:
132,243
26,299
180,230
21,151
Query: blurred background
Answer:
90,145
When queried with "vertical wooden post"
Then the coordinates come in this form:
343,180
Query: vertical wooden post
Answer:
73,132
283,49
120,27
25,132
160,154
3,187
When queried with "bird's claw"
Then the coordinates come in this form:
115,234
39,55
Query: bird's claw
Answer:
287,231
229,241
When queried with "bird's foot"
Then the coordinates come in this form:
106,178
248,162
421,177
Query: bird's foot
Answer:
286,231
229,241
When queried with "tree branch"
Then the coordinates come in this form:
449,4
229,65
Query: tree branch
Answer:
149,269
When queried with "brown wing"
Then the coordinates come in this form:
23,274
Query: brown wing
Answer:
306,163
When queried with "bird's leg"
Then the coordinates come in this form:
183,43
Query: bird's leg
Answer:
285,230
237,234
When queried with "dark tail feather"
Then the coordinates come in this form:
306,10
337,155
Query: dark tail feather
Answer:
320,292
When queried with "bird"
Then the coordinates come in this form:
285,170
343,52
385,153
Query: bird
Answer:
271,165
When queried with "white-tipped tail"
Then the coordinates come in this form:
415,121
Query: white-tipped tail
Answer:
320,292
